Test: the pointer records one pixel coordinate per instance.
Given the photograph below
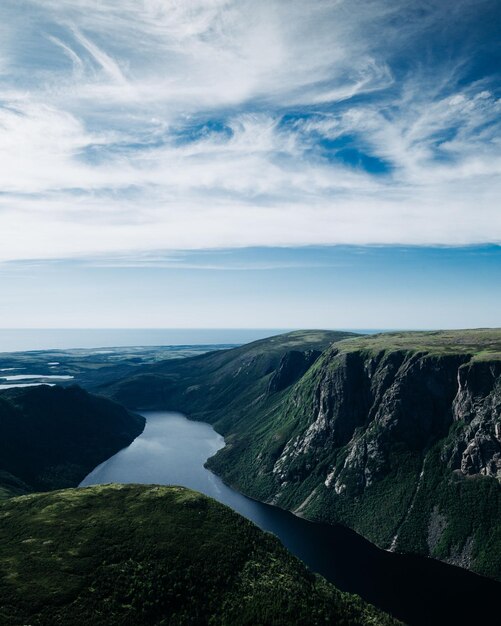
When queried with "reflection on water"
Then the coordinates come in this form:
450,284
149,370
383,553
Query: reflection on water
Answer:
172,450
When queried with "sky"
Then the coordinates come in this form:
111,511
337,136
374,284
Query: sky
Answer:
250,163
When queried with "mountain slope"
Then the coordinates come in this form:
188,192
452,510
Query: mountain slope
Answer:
154,555
52,437
227,385
398,436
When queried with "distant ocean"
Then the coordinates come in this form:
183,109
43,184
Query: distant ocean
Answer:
19,339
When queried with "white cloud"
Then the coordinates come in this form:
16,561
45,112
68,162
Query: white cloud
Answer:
71,54
107,63
163,124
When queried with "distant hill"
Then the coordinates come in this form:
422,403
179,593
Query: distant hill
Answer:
155,555
396,435
52,437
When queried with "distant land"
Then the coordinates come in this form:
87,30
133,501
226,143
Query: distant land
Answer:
28,339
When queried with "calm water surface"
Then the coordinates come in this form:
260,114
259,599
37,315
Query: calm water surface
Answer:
173,450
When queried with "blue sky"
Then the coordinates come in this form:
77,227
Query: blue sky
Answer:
329,287
250,163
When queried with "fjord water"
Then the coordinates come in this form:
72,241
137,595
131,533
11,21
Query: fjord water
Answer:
173,450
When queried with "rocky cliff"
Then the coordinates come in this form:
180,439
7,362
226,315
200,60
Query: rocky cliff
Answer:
397,436
402,445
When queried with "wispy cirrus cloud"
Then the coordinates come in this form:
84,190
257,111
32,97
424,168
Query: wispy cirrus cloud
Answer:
107,63
136,126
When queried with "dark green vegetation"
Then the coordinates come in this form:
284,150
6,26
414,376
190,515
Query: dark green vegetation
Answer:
154,555
52,437
398,435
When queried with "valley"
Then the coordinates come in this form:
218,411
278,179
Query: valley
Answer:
343,435
394,436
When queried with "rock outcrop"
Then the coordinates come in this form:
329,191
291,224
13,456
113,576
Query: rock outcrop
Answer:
478,406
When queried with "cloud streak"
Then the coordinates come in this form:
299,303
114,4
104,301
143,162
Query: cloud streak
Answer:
107,63
141,126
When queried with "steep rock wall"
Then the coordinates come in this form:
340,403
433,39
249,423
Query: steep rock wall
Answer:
402,446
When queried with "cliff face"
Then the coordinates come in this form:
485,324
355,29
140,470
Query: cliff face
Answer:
402,446
397,436
478,406
226,385
293,365
365,405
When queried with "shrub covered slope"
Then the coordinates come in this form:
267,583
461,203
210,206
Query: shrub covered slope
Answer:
52,437
154,555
